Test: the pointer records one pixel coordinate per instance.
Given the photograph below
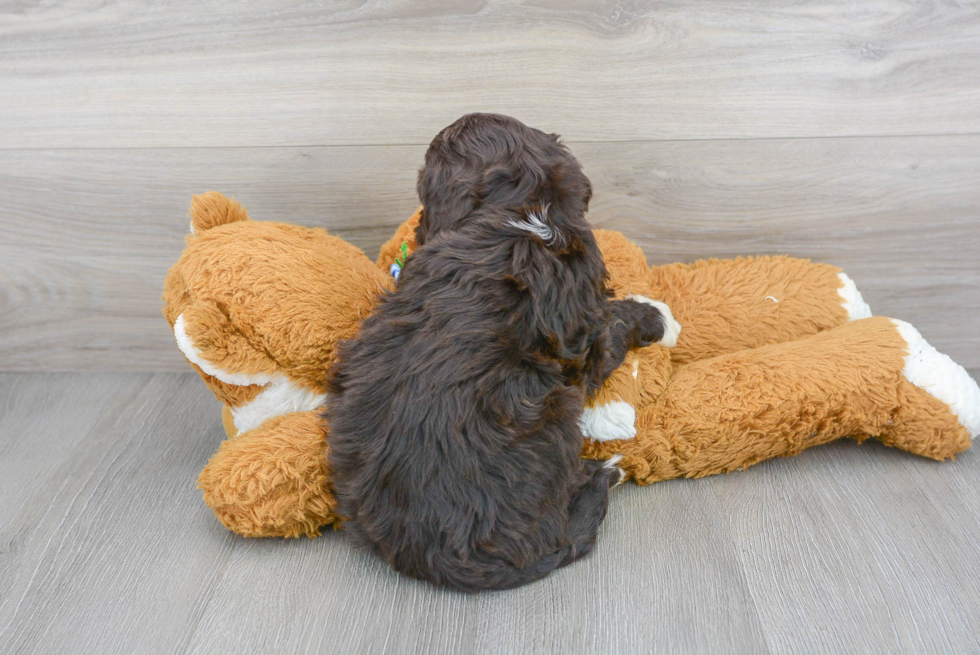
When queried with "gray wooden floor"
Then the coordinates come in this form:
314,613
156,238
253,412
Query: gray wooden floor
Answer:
106,547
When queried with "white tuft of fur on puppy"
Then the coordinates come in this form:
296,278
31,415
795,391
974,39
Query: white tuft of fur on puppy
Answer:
614,420
931,370
536,225
673,328
851,299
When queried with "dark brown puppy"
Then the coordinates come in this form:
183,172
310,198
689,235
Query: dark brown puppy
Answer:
454,415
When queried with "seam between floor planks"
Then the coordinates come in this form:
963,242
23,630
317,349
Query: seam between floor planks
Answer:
398,73
569,142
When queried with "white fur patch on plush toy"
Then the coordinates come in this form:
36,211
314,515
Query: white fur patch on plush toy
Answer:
673,328
614,420
931,370
195,356
280,396
852,300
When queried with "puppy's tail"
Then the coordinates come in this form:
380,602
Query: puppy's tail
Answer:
586,510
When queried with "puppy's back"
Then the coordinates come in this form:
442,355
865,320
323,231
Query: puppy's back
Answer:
454,448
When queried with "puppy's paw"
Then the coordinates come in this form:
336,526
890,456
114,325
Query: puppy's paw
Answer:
611,464
662,329
604,473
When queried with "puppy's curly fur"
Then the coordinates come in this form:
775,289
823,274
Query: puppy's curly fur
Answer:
453,416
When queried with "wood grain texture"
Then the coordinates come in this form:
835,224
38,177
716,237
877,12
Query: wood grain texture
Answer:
111,549
628,596
136,73
106,546
890,545
23,424
89,234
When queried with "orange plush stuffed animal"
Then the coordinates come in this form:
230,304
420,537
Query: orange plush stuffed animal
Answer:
776,355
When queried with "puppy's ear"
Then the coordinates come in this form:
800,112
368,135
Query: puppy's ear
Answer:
558,220
562,299
558,201
448,193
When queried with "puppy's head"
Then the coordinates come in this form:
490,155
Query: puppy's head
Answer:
494,161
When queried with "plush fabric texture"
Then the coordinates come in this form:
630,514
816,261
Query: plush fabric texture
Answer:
254,320
272,480
731,411
768,363
747,302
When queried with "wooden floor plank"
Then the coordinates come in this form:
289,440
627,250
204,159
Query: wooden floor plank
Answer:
89,235
664,576
859,549
106,546
964,481
322,596
143,74
42,420
114,549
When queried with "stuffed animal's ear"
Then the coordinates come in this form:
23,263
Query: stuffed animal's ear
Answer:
212,209
208,337
404,235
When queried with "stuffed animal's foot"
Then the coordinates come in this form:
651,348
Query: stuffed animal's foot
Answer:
851,299
874,377
731,305
609,421
272,481
931,370
940,409
671,328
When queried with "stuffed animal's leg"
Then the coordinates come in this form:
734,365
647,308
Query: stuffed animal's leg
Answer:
873,377
939,403
272,481
730,305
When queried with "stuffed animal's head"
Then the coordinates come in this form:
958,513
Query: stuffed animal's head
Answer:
259,308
